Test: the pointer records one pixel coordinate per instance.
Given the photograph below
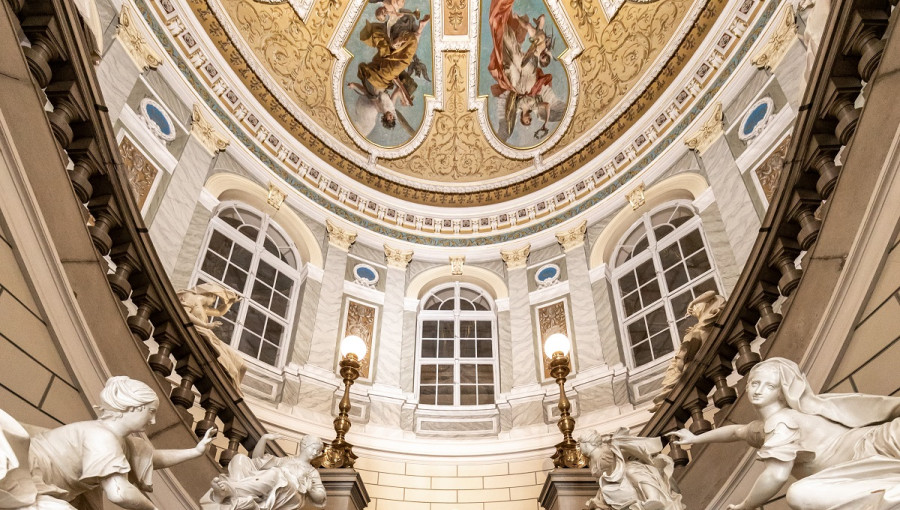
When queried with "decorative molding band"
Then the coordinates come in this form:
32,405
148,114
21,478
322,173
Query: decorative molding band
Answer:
771,53
206,133
397,258
135,44
516,258
339,237
708,132
571,239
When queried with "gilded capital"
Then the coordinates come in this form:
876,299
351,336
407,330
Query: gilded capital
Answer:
456,265
701,139
206,133
135,44
339,237
396,257
770,55
516,258
574,238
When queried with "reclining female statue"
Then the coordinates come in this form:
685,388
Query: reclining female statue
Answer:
72,465
264,482
844,449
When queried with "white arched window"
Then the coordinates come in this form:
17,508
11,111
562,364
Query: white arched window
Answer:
247,252
457,347
659,267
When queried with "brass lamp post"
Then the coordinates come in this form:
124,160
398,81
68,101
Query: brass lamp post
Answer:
339,454
567,453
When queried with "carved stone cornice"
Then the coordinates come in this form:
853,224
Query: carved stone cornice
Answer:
135,44
708,132
396,257
571,239
339,237
516,258
771,53
275,197
456,265
211,139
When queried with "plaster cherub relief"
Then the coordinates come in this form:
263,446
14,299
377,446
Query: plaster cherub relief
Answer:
632,472
843,449
200,305
75,465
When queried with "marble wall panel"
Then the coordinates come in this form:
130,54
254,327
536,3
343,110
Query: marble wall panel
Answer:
390,341
719,245
523,345
313,398
324,349
385,413
587,344
596,397
505,351
548,252
607,323
171,223
117,75
527,413
408,352
791,67
306,319
190,248
368,253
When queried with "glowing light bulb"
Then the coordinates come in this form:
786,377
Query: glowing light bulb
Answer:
557,342
353,345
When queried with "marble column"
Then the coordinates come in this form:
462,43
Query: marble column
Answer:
390,341
323,348
524,367
127,57
309,307
732,196
408,345
587,343
171,223
607,323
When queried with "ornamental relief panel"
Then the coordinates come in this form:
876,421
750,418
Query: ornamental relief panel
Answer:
141,172
361,322
769,171
552,319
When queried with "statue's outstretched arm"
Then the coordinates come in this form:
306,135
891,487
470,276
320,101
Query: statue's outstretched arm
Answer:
120,492
165,458
768,484
260,448
724,434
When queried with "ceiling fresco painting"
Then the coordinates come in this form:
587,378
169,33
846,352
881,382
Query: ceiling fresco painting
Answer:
519,72
388,79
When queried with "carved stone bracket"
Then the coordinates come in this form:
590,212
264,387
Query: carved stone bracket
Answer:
456,265
206,133
636,197
339,237
771,53
275,197
396,257
516,258
135,44
708,132
571,239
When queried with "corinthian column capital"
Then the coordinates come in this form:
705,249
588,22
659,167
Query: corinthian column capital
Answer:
396,257
571,239
339,237
517,257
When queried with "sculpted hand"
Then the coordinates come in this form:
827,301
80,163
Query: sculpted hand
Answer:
206,439
739,506
683,436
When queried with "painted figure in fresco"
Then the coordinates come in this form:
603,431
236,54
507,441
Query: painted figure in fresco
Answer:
265,482
524,91
388,79
72,466
200,305
632,472
844,449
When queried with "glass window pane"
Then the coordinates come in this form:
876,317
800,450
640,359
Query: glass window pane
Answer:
698,264
261,293
481,304
650,293
284,284
279,305
427,395
446,329
642,353
429,329
466,305
468,395
235,278
485,349
251,232
241,257
268,353
274,332
691,242
705,285
467,374
429,348
429,374
446,305
640,247
645,272
662,344
219,243
486,374
484,329
627,283
676,277
680,303
214,265
445,396
467,329
631,303
266,273
445,349
669,256
656,321
662,231
637,331
485,394
255,321
445,374
249,344
467,348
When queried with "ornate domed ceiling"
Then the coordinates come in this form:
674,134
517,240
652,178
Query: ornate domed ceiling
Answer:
453,103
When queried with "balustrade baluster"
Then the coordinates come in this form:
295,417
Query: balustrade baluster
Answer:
782,258
169,339
762,300
236,435
85,153
213,405
147,302
864,40
740,338
802,210
69,104
823,148
717,372
43,32
694,406
106,218
840,98
191,373
125,258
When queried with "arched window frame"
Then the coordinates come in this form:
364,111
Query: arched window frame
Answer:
259,253
457,315
652,252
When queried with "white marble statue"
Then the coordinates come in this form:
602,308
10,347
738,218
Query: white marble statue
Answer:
200,305
264,482
632,472
72,466
843,449
705,307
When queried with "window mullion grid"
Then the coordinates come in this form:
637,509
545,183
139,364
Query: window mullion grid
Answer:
666,295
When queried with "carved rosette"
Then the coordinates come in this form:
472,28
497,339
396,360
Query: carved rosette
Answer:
456,265
141,172
206,133
770,55
338,237
708,132
275,197
135,44
551,319
516,258
396,257
571,239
